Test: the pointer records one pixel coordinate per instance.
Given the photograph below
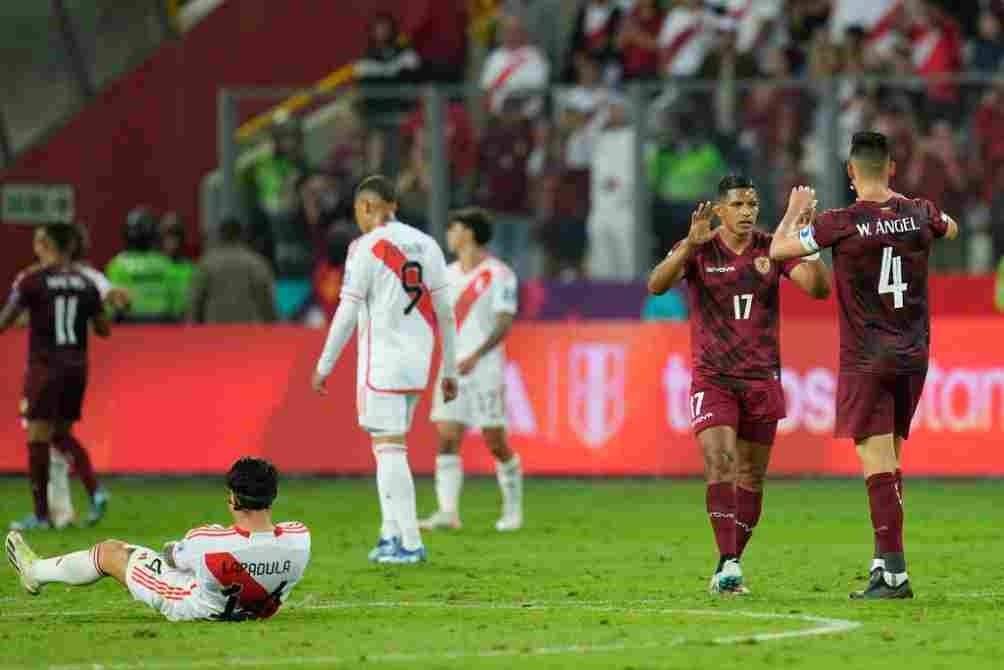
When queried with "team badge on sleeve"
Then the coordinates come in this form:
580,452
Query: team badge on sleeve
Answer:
762,264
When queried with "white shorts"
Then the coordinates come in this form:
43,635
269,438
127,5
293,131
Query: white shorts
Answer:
382,413
171,592
480,403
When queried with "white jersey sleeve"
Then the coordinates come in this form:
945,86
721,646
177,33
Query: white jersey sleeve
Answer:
505,296
100,280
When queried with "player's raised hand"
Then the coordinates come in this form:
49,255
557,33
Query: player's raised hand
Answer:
450,389
317,382
801,199
806,218
700,225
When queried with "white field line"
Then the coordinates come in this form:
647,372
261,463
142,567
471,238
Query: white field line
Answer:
819,626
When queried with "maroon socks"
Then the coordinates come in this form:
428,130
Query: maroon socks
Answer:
887,512
721,505
38,473
748,507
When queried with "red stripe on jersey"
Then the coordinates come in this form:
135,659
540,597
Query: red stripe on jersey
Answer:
160,590
886,23
667,55
143,572
394,259
475,289
252,596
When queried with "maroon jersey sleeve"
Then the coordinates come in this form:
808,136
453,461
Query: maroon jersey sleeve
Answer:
936,218
829,229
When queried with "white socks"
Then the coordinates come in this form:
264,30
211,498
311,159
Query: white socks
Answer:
77,569
388,525
397,494
449,481
877,564
510,478
60,503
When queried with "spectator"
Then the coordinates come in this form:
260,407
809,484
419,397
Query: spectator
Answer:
937,52
516,69
638,40
504,152
723,59
596,26
684,39
330,270
987,50
143,271
461,144
937,172
233,283
878,18
414,183
683,166
757,23
999,295
988,133
612,225
389,61
172,244
270,184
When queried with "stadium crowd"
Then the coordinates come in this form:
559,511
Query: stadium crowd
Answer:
548,141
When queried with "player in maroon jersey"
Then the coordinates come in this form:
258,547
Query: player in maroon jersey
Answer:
880,246
736,395
60,302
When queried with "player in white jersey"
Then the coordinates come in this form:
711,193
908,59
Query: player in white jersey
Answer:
393,295
484,294
242,572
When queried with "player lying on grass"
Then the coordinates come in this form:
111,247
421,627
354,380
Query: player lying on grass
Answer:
62,303
880,246
242,572
484,294
736,395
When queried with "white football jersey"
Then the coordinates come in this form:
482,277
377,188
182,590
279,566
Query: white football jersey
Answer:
238,571
478,297
392,272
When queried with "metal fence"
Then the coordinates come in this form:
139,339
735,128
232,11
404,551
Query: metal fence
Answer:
600,182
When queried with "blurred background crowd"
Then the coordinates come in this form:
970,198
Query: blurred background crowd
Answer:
591,127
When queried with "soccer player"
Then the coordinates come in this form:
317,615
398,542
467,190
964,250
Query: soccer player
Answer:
393,295
61,302
245,571
484,293
67,450
880,246
736,395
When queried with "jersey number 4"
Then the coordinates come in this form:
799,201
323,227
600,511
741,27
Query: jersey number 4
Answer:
66,320
891,277
411,281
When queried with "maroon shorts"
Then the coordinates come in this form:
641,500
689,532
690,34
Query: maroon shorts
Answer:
54,394
751,406
870,405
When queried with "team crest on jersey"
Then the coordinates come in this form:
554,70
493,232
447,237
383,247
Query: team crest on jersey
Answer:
762,264
596,391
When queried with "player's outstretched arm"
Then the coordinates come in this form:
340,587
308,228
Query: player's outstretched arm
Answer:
788,242
813,277
953,227
671,270
10,312
342,327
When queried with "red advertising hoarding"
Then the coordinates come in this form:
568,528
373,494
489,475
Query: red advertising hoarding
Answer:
594,399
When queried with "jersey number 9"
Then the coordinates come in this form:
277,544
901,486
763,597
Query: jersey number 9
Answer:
411,281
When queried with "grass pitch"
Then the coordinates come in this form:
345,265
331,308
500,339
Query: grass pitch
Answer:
606,574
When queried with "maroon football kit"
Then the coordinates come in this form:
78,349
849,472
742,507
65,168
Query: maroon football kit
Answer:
734,329
880,259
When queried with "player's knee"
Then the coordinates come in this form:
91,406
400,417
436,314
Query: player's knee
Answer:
497,443
112,556
449,444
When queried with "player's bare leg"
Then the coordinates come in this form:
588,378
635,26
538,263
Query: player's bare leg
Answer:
879,462
449,477
397,502
65,442
79,568
39,439
718,443
753,460
509,472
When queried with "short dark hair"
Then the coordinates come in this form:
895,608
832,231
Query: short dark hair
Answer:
378,185
254,483
63,236
732,181
231,230
870,146
478,221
